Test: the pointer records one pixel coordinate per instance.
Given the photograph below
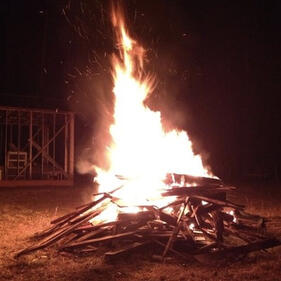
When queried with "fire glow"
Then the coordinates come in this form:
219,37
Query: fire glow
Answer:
142,152
156,190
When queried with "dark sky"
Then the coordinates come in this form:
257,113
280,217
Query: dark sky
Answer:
217,65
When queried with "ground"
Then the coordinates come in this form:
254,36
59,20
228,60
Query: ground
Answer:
24,211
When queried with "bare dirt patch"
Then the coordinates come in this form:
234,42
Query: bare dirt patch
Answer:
24,211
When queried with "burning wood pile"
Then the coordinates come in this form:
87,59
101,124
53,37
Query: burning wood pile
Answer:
197,222
186,216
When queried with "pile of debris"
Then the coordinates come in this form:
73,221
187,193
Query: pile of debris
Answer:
199,222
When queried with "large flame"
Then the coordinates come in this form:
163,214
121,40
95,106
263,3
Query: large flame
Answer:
141,151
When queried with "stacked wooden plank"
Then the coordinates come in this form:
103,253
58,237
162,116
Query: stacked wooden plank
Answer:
198,222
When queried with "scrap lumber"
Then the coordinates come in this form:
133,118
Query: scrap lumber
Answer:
236,252
198,222
124,249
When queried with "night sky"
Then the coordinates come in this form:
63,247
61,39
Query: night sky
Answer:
217,66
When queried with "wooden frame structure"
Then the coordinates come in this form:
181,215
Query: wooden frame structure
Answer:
36,147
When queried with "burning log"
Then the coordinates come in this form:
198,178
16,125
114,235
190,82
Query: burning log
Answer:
183,179
176,230
198,222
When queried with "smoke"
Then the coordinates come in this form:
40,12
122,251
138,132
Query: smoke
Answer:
90,83
85,163
95,115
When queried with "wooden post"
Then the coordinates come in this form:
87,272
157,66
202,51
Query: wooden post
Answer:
6,144
71,144
42,144
18,142
66,142
47,137
30,146
54,142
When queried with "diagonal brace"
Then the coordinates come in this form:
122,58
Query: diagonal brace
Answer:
43,148
48,157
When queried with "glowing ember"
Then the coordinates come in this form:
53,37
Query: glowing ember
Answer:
192,226
141,151
232,214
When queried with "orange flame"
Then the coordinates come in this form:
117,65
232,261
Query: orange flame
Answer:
141,150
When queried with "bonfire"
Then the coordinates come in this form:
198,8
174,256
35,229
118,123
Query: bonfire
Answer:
156,190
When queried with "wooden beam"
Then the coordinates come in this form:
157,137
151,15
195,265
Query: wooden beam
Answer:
30,150
71,144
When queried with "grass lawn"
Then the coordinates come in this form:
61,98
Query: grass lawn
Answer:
24,211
